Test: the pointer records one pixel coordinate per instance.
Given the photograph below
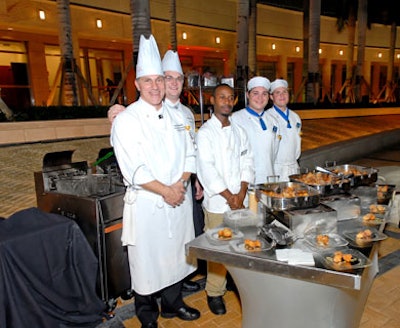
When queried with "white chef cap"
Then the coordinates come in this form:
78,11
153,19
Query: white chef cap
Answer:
277,84
171,62
258,81
149,60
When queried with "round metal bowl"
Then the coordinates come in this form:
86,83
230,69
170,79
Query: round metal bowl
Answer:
287,195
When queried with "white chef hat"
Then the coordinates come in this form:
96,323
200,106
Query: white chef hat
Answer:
149,60
278,83
171,62
258,81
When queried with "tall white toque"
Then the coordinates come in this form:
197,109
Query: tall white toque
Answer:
278,83
149,59
258,81
171,62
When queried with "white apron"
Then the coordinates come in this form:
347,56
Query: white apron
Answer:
149,148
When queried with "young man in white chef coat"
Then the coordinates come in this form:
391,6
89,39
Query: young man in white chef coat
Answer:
225,168
286,162
261,129
174,80
156,158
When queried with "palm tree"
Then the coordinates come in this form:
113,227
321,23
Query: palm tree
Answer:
141,25
346,17
68,93
362,15
253,38
172,24
313,55
242,31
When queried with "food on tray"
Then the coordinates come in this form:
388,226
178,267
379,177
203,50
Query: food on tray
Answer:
225,233
343,259
287,192
350,171
377,209
369,217
364,236
322,240
317,178
252,245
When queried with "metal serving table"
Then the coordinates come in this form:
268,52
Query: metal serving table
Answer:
276,294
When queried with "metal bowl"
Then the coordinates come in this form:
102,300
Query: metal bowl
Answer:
325,183
287,195
358,175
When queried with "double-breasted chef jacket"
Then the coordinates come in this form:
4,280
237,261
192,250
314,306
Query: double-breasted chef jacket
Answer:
264,143
153,145
289,146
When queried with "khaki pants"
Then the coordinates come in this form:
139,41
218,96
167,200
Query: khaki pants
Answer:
216,272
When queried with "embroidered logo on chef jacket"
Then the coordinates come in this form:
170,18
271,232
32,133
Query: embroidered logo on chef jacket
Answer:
275,129
179,127
244,152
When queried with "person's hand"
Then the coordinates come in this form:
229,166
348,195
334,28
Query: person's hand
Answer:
198,189
114,111
235,202
175,194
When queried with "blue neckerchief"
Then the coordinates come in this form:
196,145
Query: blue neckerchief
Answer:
284,116
254,113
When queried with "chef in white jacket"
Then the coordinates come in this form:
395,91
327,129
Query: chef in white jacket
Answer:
261,129
156,158
286,162
225,168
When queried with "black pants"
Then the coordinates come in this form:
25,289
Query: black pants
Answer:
147,307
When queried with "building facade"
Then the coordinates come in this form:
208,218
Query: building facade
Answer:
206,31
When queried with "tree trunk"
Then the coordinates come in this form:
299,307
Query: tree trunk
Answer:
390,85
172,24
306,42
313,55
140,15
253,39
242,46
362,32
351,35
68,90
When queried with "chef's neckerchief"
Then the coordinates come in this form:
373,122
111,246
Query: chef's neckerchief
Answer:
284,116
254,113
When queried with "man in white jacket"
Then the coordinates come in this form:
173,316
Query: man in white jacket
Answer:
174,80
156,158
225,168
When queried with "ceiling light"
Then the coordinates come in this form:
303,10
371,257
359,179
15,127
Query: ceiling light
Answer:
99,23
320,51
341,52
218,40
42,15
297,49
273,46
379,55
184,36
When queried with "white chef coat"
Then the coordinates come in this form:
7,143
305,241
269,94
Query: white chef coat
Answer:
151,148
188,118
264,143
224,160
290,144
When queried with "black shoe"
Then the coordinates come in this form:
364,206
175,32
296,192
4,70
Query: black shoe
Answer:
216,305
150,325
184,313
190,286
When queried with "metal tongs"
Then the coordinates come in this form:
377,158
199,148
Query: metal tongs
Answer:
321,169
336,175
